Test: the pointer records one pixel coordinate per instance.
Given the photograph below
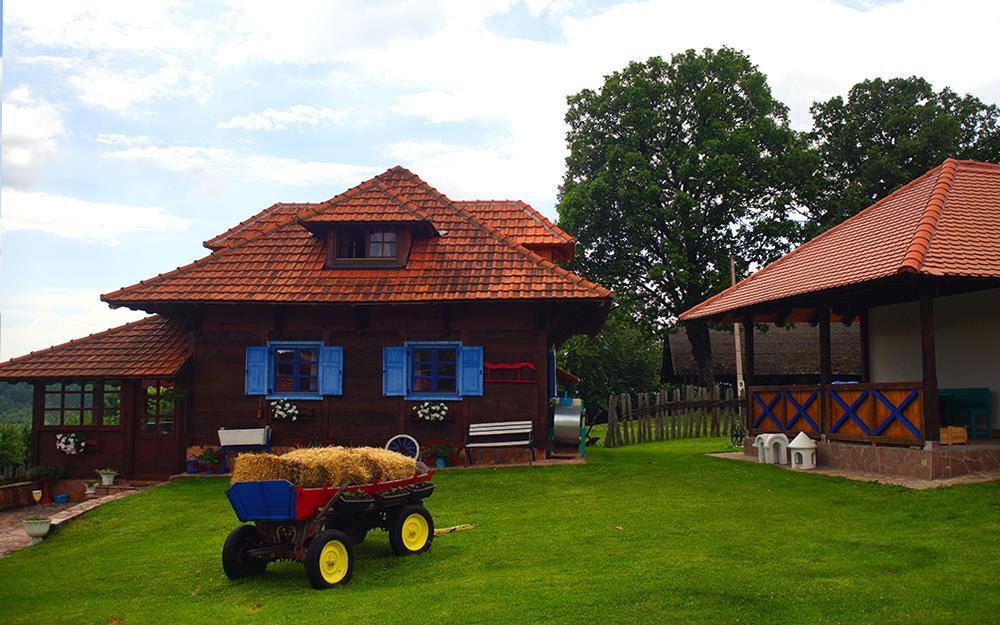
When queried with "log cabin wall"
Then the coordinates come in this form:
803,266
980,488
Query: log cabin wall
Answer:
362,415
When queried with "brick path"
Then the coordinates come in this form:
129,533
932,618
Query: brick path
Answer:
12,536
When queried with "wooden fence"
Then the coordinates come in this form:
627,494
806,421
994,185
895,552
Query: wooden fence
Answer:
12,472
688,412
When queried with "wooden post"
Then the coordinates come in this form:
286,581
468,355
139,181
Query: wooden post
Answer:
748,372
609,437
716,411
932,422
825,369
866,363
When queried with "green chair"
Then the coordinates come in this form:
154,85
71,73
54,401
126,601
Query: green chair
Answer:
965,406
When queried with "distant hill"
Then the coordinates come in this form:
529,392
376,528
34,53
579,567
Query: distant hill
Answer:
15,403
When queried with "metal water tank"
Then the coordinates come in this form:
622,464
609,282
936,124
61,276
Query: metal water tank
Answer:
567,418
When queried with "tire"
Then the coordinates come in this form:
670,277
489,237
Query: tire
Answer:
235,561
329,559
411,530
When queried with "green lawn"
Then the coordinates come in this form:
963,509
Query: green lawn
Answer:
650,533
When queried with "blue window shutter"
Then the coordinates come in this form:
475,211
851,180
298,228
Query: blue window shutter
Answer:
331,370
256,371
552,372
471,377
393,371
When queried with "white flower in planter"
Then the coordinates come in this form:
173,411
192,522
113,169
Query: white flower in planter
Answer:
282,409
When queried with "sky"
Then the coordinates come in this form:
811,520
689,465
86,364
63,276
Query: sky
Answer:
133,131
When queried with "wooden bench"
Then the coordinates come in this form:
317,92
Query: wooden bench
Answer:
499,434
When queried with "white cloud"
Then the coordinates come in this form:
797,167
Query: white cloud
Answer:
199,160
275,119
118,90
123,25
46,317
72,218
31,128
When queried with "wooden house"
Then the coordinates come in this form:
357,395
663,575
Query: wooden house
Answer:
919,273
356,309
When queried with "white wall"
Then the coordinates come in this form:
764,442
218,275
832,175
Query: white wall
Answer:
966,341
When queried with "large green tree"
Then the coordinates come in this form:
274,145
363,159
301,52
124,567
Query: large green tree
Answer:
886,133
622,358
673,166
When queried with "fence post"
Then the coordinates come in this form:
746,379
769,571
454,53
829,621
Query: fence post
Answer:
609,436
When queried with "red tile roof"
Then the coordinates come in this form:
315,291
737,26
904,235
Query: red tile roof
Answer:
520,222
944,223
280,261
261,222
371,201
150,347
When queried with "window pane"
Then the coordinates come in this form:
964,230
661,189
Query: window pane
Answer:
307,355
375,250
285,355
307,384
148,425
446,370
446,355
166,425
88,417
284,384
307,369
445,384
422,355
286,368
151,405
71,417
423,369
89,387
72,387
88,400
112,417
388,250
112,403
72,401
53,387
167,406
389,237
53,400
52,417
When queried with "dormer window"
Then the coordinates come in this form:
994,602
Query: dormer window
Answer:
362,245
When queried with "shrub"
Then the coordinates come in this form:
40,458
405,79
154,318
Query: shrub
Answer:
13,445
47,472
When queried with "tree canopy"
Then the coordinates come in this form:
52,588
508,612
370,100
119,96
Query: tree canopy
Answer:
886,133
673,166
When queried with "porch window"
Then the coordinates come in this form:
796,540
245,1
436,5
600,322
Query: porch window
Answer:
158,407
82,404
434,370
361,243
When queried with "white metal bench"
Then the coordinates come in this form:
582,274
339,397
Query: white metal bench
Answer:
499,434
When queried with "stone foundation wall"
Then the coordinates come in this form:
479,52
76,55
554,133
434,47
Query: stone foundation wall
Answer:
932,462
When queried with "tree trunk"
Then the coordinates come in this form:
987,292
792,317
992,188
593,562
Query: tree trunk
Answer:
701,349
667,363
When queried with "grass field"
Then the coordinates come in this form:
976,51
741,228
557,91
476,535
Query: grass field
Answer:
655,533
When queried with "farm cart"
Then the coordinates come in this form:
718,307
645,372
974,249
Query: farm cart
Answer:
320,526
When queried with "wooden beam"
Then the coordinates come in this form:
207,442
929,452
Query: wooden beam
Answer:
825,368
783,316
932,419
748,372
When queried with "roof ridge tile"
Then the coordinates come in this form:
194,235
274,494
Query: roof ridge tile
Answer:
921,242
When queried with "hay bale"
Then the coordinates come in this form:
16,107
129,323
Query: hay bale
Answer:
315,466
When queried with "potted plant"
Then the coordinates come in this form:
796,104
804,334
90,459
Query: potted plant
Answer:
37,527
353,501
393,495
90,486
442,454
208,461
45,473
430,411
107,476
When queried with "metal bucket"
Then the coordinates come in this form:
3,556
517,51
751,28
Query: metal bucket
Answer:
567,418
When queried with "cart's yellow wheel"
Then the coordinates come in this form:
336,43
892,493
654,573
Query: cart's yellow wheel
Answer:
329,559
411,530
